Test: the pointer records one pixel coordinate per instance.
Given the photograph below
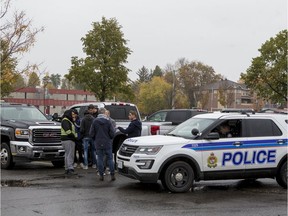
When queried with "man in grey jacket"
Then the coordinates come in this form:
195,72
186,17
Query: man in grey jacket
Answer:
102,132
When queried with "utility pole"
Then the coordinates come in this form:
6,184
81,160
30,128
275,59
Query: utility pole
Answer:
173,90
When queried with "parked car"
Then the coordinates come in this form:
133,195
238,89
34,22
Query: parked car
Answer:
27,135
196,150
163,121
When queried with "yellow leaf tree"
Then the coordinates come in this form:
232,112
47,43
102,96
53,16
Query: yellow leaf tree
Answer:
154,95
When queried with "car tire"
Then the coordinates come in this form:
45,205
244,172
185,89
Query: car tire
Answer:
281,177
6,157
179,177
58,164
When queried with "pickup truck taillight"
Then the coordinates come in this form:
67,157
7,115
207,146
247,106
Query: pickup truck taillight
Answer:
155,129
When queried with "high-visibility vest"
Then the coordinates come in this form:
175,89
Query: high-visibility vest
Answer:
65,133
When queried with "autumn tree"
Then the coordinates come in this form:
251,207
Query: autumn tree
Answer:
65,84
192,76
17,37
157,71
143,75
176,96
153,95
102,71
33,80
19,82
267,75
55,80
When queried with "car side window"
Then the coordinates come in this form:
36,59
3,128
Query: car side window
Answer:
261,127
177,117
229,128
158,117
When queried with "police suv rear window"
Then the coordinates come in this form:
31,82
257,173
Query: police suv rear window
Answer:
262,127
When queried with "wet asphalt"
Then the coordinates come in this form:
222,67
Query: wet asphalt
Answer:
40,189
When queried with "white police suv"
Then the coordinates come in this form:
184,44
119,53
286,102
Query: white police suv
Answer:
251,146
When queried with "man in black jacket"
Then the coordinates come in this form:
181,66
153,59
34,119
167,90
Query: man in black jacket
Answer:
87,140
102,132
135,127
68,138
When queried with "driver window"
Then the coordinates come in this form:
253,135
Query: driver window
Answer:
158,117
229,128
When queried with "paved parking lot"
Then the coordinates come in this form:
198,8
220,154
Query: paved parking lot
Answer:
40,189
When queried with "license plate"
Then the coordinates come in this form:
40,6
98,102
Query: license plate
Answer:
120,164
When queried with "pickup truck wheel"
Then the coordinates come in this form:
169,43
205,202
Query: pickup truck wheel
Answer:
58,164
179,177
281,177
6,157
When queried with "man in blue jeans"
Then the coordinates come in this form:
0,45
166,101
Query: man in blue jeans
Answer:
102,133
87,140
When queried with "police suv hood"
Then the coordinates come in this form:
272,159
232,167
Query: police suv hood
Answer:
156,140
26,124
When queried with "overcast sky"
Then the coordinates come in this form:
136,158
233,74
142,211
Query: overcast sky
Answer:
224,34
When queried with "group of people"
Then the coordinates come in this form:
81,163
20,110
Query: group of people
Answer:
95,130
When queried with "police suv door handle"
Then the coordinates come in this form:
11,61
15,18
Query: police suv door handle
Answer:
281,142
237,144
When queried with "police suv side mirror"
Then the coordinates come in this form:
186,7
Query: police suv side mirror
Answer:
212,136
195,132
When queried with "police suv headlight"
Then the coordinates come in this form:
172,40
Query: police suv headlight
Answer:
21,133
148,150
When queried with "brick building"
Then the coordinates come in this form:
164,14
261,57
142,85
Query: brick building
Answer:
50,101
232,95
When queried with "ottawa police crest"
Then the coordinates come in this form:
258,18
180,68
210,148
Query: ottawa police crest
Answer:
212,161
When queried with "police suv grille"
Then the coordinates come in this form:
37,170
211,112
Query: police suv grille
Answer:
44,136
127,150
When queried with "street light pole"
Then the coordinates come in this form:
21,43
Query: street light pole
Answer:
173,90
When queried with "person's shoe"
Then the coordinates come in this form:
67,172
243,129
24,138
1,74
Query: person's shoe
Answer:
113,177
82,165
71,172
103,173
85,167
94,166
75,165
101,178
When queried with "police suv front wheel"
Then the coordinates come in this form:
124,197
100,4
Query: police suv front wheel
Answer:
178,177
281,177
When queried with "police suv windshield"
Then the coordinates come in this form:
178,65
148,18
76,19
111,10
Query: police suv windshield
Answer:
185,129
20,113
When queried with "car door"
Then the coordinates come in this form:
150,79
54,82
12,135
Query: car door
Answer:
159,116
225,153
263,144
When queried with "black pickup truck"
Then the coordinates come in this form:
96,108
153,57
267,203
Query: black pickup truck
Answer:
27,135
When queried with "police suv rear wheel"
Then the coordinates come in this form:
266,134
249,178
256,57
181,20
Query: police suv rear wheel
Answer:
281,177
179,177
6,157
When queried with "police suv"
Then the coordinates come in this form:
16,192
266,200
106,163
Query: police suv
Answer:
254,147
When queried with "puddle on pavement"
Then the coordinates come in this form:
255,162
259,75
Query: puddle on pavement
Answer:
212,187
26,183
14,183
